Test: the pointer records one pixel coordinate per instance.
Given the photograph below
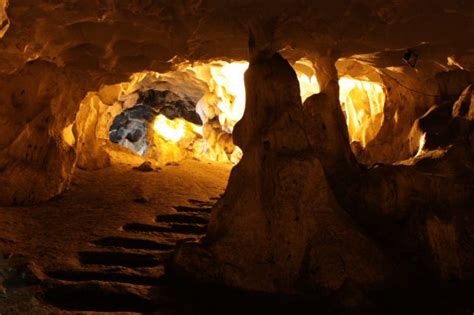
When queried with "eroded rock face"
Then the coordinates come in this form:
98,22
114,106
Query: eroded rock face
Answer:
98,40
427,84
301,215
4,21
170,105
38,102
130,128
97,34
279,227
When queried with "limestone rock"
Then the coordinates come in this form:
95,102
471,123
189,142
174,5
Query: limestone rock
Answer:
91,154
144,167
279,208
464,106
38,102
87,45
298,187
4,21
170,105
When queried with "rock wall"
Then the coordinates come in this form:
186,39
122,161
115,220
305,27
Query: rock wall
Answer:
4,21
90,43
279,227
90,129
300,215
38,102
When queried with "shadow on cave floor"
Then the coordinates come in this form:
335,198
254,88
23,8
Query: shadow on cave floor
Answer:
102,247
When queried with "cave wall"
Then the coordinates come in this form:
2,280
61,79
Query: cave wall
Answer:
38,102
279,228
402,108
94,42
4,21
91,131
121,36
410,93
300,215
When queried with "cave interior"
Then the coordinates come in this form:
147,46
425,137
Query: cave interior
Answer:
229,157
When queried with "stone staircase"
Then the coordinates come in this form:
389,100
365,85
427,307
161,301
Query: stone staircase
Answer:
126,273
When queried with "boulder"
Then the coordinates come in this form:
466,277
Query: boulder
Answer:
144,167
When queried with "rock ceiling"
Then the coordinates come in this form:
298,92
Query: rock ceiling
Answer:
127,36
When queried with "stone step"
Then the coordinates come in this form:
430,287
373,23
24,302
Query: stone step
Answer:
182,218
119,259
100,297
196,229
193,209
133,243
109,276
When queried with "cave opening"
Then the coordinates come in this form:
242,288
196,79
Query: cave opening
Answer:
362,103
191,112
165,117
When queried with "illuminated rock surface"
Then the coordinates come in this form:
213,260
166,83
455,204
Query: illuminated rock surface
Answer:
353,128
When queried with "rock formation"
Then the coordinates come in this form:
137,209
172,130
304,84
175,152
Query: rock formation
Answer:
328,200
88,44
298,195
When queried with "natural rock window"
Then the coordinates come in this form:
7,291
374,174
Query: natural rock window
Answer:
166,117
130,128
362,103
188,112
191,112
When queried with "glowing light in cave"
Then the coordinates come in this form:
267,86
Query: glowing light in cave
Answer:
174,130
452,62
170,130
68,136
218,90
421,144
226,97
362,103
225,101
307,79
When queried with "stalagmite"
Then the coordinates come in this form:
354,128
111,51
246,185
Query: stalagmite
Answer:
279,227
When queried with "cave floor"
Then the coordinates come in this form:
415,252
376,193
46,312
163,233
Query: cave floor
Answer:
101,245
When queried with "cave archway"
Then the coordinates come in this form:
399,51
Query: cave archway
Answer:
191,111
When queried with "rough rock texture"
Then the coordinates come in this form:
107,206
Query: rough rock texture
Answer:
100,33
89,144
122,113
37,104
421,87
298,196
300,214
130,128
421,208
279,227
4,21
91,43
170,105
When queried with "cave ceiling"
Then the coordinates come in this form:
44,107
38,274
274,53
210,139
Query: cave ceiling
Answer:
112,36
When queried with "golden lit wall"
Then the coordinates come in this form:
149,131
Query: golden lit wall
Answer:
218,89
362,103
